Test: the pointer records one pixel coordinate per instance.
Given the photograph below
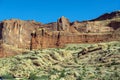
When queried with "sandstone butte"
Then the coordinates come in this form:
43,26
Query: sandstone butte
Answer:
18,36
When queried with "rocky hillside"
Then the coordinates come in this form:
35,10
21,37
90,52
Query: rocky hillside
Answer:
115,14
99,62
18,36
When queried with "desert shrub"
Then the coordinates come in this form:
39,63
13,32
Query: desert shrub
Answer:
62,74
8,76
43,77
59,64
33,76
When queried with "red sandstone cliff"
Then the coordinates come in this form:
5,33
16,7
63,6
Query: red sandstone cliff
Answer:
17,36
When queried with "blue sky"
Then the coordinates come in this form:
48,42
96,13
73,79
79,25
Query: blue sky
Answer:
46,11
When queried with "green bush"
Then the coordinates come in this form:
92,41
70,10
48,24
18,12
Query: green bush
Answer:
8,76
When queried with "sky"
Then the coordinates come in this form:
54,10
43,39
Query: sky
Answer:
47,11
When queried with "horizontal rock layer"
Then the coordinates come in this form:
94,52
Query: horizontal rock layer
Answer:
17,36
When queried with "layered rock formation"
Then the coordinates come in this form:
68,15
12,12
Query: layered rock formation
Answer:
17,36
63,24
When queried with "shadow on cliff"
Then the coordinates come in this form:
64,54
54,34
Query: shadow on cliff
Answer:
1,27
115,25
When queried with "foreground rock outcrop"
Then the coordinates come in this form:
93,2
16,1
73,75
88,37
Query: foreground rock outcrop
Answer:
18,36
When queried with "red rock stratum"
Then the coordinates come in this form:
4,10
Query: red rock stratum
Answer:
17,36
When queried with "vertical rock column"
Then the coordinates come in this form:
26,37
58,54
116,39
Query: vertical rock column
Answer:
63,24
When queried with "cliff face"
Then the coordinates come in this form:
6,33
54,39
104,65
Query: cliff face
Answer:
17,33
59,39
18,36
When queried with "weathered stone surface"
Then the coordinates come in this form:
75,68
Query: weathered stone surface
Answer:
60,39
18,33
63,24
93,26
17,36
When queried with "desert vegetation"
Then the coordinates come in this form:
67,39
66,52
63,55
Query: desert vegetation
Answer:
66,63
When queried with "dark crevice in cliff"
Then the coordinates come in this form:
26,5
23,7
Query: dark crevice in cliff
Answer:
114,24
1,27
43,32
31,44
58,39
33,35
